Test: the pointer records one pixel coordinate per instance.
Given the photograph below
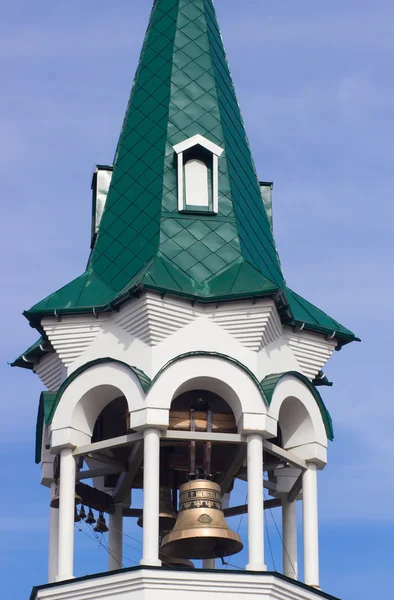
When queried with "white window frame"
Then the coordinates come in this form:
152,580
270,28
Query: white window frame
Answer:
216,151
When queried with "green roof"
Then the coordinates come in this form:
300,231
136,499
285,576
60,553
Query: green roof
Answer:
183,87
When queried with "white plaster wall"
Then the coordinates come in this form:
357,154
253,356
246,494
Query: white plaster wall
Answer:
201,335
114,342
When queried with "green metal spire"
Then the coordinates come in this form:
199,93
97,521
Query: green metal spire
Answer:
182,88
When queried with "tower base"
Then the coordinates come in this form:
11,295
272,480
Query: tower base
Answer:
153,583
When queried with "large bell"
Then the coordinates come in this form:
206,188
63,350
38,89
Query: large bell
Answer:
201,530
167,515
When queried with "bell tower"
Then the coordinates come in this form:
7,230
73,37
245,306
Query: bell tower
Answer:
180,363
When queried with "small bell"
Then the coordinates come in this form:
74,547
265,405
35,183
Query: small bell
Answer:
101,526
167,515
90,520
201,530
82,513
55,500
77,518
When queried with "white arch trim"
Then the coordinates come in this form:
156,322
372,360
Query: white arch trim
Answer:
85,398
309,438
214,374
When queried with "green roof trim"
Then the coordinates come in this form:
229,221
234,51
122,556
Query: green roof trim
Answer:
33,354
215,355
47,400
303,312
142,377
182,88
270,382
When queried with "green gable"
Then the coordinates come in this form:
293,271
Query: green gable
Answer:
183,87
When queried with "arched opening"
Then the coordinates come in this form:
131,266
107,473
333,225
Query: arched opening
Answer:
295,423
112,422
199,410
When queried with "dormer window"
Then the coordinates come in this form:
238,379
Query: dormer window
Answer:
198,178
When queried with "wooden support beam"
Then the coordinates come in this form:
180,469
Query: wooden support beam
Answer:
232,466
204,436
295,490
126,479
95,498
99,472
132,512
118,442
272,466
285,455
243,509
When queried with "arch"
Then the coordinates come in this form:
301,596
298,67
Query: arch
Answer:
270,382
213,372
294,407
142,377
88,392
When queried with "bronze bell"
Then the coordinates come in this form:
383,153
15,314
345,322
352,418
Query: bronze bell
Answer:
90,519
55,500
201,530
82,513
101,526
77,518
167,515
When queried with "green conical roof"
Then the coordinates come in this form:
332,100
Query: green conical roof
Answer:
183,87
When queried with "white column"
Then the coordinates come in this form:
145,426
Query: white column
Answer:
53,538
310,525
66,515
255,503
115,539
150,532
289,524
209,563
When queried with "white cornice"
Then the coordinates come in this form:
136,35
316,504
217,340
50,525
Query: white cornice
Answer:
174,585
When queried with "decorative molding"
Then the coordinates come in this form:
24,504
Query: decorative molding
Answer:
153,319
71,336
254,326
198,140
51,371
311,350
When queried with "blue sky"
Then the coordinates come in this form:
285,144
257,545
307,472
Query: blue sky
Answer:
316,89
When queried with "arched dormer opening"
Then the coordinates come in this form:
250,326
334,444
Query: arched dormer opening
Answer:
197,167
198,186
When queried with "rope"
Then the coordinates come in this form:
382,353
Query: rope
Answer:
281,539
269,541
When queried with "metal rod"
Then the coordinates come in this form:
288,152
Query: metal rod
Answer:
192,446
208,447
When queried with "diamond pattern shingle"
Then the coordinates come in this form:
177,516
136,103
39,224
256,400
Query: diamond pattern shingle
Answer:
182,87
